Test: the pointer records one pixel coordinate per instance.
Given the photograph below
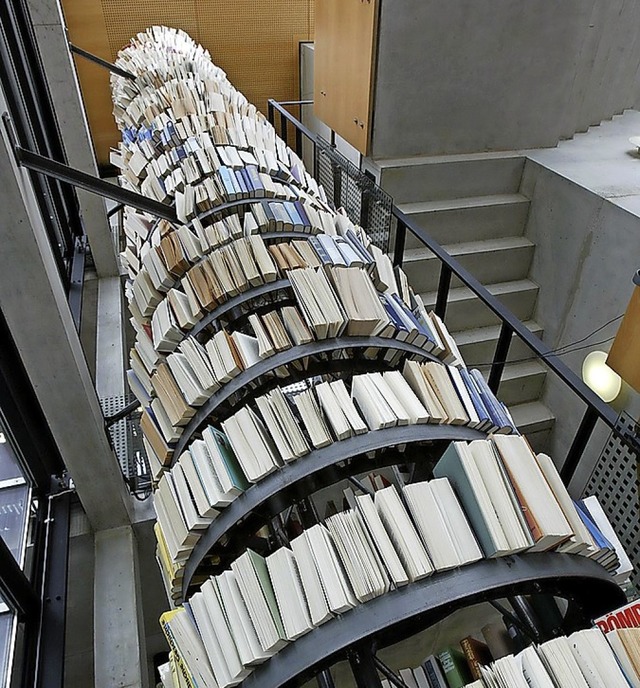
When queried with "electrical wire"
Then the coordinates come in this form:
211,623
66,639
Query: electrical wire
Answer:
559,351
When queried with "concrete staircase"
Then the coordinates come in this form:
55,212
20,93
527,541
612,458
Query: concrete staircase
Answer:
472,206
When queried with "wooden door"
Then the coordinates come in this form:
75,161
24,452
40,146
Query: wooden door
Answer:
345,41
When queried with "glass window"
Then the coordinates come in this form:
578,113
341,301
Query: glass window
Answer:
7,637
15,497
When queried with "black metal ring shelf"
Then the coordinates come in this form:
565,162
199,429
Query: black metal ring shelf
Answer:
222,209
316,470
237,302
248,381
401,613
267,236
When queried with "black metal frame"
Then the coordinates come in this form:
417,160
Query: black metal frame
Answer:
40,459
257,379
358,633
596,409
318,469
34,119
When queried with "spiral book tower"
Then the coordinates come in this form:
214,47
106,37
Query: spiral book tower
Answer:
285,367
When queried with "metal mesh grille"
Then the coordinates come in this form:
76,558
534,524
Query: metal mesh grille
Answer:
346,186
614,482
126,437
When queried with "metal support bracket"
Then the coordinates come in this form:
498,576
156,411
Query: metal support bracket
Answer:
102,63
82,180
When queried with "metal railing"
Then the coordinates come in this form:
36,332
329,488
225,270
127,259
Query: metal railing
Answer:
596,410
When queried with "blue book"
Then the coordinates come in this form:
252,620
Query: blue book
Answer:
226,177
303,214
241,182
298,225
499,418
352,238
402,331
484,415
256,183
320,250
418,335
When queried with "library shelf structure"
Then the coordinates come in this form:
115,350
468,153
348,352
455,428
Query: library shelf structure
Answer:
224,532
259,378
401,613
320,468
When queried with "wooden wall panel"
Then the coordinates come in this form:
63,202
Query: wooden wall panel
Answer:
254,41
345,43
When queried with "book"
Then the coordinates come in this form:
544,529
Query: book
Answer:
476,653
454,667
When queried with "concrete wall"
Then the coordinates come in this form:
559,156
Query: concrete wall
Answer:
585,221
463,76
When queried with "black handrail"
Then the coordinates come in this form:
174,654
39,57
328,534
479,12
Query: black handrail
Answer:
596,409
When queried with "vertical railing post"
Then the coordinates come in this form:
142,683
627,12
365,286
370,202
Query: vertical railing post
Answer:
443,291
299,138
500,357
398,247
365,203
337,184
363,667
283,127
271,113
584,432
325,680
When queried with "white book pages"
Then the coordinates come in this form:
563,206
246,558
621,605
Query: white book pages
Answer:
403,534
503,499
206,467
287,586
533,490
311,583
380,537
334,582
459,529
558,656
533,669
219,656
240,624
595,659
413,406
431,526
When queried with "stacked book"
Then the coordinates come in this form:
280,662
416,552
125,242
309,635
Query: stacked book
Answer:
582,660
384,541
192,141
286,424
512,502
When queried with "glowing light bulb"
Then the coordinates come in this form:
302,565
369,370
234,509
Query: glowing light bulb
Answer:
603,381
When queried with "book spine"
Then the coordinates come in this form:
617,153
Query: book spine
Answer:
180,663
472,658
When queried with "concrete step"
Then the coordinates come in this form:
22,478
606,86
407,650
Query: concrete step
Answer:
535,421
472,218
466,311
450,176
490,261
521,382
478,344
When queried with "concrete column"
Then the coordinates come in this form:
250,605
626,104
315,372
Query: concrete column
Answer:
34,303
119,639
110,344
51,35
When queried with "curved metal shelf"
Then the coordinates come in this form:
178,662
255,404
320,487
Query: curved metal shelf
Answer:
271,494
248,378
237,301
404,612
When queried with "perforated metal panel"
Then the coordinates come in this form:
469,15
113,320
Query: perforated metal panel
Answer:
615,482
365,202
126,437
